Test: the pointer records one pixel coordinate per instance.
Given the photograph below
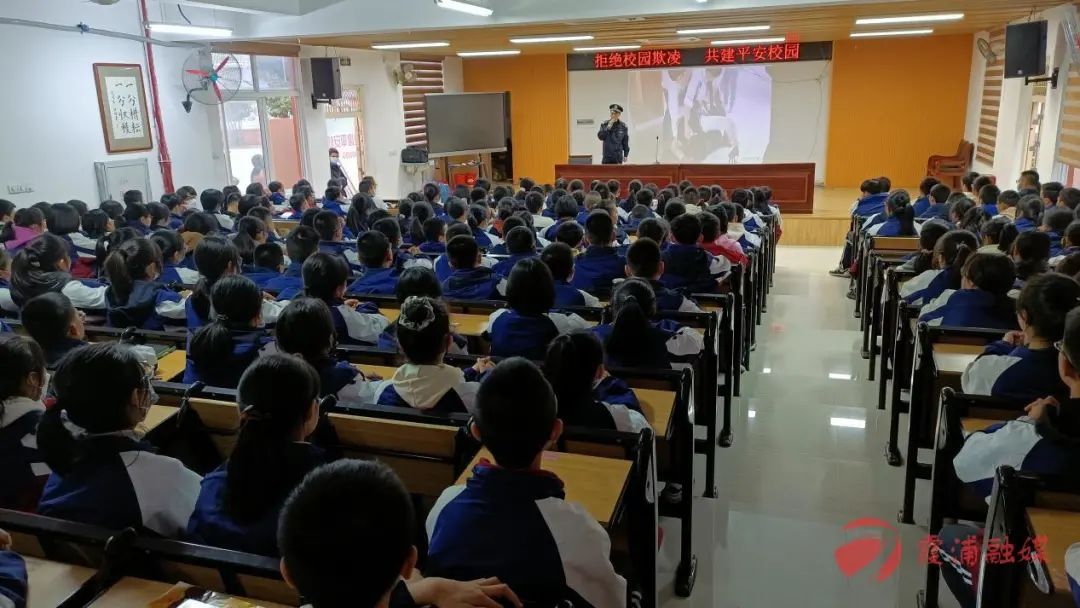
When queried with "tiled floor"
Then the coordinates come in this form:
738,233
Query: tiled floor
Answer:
807,459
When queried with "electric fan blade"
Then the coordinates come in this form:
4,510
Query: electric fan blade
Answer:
223,62
198,73
217,90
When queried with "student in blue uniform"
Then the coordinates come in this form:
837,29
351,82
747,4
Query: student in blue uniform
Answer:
1054,223
643,260
566,209
138,218
42,266
686,265
216,258
239,503
250,233
22,386
1029,213
950,253
469,279
176,209
330,229
657,230
1070,243
900,217
424,382
559,258
632,339
938,206
56,325
135,296
379,275
1023,365
402,258
306,328
269,263
520,245
1031,254
922,204
213,202
412,232
300,244
102,473
277,193
64,222
527,325
220,351
988,199
173,251
983,298
325,278
418,281
574,365
434,236
573,235
558,551
441,265
335,201
600,264
479,222
14,580
8,308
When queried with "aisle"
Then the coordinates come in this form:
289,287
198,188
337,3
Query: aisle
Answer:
807,460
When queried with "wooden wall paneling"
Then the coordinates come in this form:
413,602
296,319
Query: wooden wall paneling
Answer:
792,183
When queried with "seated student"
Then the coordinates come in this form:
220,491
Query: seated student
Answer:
219,351
335,201
871,199
441,265
572,234
967,183
331,234
7,304
959,207
277,193
27,225
377,260
135,296
520,245
674,209
250,233
1031,254
267,218
600,264
469,279
527,325
173,251
644,261
988,199
64,222
434,236
558,550
159,216
424,382
950,253
656,229
22,387
325,278
102,473
42,266
938,206
213,202
392,230
115,210
566,209
1029,213
982,300
240,501
269,263
306,328
1050,192
687,266
738,231
714,238
899,217
632,339
1069,198
587,395
1007,204
299,202
534,202
1054,223
921,261
479,222
1023,365
922,204
300,244
592,199
56,325
457,211
1070,243
418,281
559,258
413,230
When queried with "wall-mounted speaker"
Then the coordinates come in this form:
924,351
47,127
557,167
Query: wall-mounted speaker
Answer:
326,78
1025,50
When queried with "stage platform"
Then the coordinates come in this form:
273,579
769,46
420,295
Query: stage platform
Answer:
829,222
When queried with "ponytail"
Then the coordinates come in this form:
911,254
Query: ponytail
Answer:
212,257
24,218
421,212
570,366
127,264
110,242
954,248
1008,236
237,302
633,303
35,268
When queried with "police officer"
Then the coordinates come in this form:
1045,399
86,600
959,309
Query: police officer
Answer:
616,137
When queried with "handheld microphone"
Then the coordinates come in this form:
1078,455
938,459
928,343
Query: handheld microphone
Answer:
657,149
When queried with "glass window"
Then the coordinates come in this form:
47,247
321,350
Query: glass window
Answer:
275,73
244,136
283,125
245,69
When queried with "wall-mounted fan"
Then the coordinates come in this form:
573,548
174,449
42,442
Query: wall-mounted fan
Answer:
986,50
406,75
210,83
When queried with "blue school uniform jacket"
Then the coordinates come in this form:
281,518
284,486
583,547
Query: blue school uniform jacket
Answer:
666,339
890,227
568,295
692,268
926,286
672,299
359,326
1023,224
934,210
991,209
616,390
277,198
175,273
474,284
1014,372
378,281
211,524
514,334
176,222
246,347
546,549
13,580
140,228
441,388
151,305
875,203
8,307
289,284
485,240
967,308
122,483
343,380
437,247
335,207
922,204
261,275
549,234
597,267
1055,244
343,250
505,265
24,473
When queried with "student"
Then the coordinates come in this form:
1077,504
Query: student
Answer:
566,210
250,233
1069,198
135,297
240,501
572,234
277,193
335,202
442,263
967,183
300,244
1031,254
173,250
22,387
424,382
982,300
600,264
213,202
28,224
56,325
714,238
559,259
643,260
220,351
938,203
402,258
306,328
1070,243
520,245
559,551
738,231
950,253
42,266
871,199
632,339
331,232
1007,202
479,222
64,222
469,279
102,474
138,218
574,365
325,278
7,304
988,199
687,266
534,202
1029,213
922,204
115,211
1050,192
379,275
269,263
991,234
1023,365
299,202
357,219
7,212
527,325
413,230
1054,223
434,236
900,217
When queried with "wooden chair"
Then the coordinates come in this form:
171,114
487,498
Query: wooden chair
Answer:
949,169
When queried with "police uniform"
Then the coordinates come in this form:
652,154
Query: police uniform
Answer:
616,138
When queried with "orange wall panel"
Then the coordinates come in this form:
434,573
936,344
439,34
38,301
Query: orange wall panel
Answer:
894,102
539,112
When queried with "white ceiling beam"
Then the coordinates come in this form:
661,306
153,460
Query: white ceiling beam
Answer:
250,7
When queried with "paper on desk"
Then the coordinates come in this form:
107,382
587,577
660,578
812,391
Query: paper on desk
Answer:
183,595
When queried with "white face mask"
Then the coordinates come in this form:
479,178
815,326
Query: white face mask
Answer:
335,161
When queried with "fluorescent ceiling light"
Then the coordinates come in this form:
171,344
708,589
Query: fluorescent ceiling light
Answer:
389,46
836,376
487,53
748,41
851,423
614,47
535,39
909,19
725,30
189,30
464,7
766,370
891,33
751,413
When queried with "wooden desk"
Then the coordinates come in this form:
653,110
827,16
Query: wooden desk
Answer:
1061,529
970,425
954,359
52,582
596,483
131,592
171,366
464,324
385,371
657,406
156,416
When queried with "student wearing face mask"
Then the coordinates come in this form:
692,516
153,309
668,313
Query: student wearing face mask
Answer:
337,172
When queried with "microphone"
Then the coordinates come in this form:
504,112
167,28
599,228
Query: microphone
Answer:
658,149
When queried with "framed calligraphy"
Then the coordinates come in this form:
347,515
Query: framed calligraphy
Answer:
122,103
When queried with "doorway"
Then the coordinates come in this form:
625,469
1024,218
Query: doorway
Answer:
345,132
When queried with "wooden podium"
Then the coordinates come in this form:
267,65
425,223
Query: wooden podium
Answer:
792,183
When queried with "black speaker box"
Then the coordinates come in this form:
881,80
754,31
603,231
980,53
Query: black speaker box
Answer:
1025,49
326,77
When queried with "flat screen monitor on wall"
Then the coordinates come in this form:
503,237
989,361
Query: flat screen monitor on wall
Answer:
467,123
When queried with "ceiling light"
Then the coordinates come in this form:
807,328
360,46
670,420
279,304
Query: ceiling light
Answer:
189,30
725,30
464,7
535,39
389,46
614,47
748,41
851,423
909,19
839,376
891,33
487,53
751,413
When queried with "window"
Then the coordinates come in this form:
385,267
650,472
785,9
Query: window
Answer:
986,140
1068,145
429,73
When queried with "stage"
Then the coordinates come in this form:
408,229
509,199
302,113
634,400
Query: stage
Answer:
829,222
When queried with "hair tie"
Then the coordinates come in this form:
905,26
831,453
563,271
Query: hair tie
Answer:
417,302
76,431
50,403
222,318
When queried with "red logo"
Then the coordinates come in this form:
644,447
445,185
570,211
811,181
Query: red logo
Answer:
853,556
